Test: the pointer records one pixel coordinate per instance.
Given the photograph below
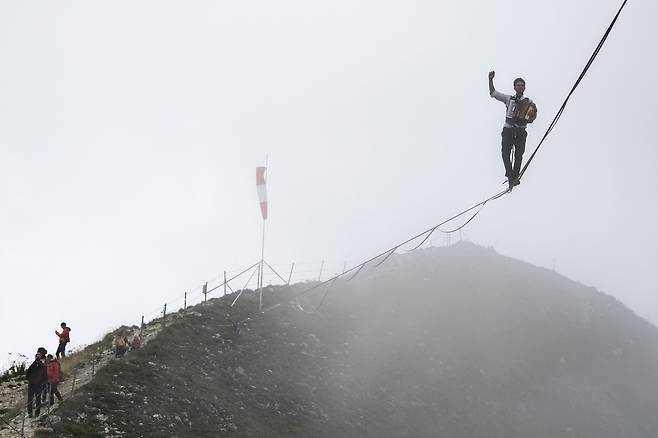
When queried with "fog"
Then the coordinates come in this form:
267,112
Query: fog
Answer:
465,342
129,134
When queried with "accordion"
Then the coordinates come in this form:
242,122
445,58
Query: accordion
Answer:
524,111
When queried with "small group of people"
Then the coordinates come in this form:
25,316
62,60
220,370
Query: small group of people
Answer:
121,345
44,374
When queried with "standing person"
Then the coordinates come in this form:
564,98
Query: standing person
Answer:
53,371
136,343
119,346
37,378
520,112
63,340
41,351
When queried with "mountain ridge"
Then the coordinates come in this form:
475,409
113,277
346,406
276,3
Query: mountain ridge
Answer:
456,341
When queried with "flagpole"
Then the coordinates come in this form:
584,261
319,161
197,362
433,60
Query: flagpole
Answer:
262,257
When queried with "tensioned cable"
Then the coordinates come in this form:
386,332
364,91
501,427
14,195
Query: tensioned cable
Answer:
389,251
580,78
429,232
481,204
11,427
191,296
232,278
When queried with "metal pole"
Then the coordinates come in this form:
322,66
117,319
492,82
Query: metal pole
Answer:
262,257
185,301
205,291
142,326
164,312
321,267
290,275
260,281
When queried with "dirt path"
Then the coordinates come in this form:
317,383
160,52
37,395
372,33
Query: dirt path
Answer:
13,394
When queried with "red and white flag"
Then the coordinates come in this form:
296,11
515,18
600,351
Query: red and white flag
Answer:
262,190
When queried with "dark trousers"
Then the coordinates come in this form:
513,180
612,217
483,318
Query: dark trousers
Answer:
61,349
54,392
513,137
34,394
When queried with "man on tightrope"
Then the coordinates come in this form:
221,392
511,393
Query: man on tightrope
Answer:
520,112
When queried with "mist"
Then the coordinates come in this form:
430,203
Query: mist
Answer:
129,135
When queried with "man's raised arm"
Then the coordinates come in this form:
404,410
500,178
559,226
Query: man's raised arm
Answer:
491,84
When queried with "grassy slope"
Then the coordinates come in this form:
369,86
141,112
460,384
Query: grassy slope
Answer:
199,379
456,342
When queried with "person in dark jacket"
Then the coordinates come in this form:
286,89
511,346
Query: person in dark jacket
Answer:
52,366
37,378
63,340
44,394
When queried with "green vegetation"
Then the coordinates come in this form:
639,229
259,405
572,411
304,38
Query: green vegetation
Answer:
444,342
16,370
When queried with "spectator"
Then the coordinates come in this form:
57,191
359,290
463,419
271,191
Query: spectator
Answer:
136,343
37,378
41,351
63,340
118,346
53,369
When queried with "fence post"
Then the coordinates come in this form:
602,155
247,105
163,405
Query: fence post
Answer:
224,282
205,291
185,302
321,267
164,312
142,326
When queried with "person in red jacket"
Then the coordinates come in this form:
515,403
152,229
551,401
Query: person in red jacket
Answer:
53,369
63,340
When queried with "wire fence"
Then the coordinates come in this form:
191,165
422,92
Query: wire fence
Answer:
221,285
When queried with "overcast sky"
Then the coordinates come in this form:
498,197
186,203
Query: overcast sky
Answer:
129,134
